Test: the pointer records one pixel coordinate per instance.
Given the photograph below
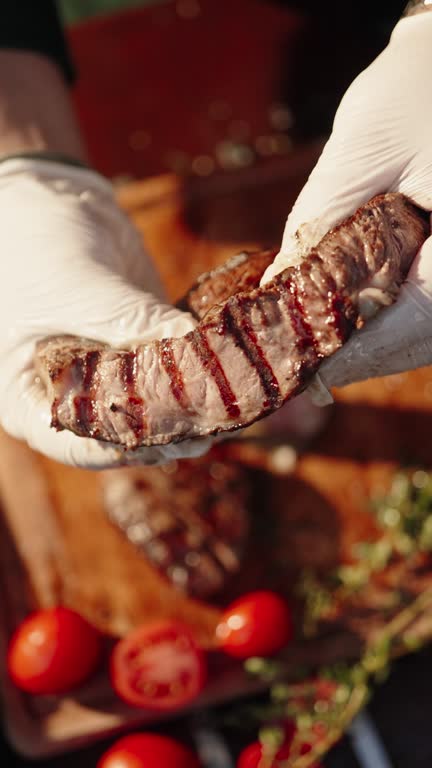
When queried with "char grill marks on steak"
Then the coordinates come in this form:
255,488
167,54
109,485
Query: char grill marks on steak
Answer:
250,353
188,518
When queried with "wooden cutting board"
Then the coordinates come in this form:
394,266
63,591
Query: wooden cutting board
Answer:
56,545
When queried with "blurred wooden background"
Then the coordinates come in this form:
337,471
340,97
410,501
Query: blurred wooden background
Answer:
201,86
206,88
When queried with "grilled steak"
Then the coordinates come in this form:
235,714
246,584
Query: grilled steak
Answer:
241,273
249,354
188,518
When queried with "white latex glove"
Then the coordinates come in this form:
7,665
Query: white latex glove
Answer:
381,141
71,263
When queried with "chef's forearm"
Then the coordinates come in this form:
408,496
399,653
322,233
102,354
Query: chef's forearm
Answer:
417,6
35,107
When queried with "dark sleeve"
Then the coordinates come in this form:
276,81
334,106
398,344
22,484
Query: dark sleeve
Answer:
28,25
366,12
338,41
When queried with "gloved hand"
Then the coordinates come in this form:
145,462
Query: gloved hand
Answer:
381,141
71,263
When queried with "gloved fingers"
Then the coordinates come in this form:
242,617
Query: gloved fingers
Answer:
86,290
348,173
188,449
28,416
137,264
67,448
363,157
125,252
126,255
375,350
415,180
143,319
108,309
79,237
418,355
340,374
418,285
318,392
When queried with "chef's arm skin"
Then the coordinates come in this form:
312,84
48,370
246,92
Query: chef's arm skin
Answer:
36,112
36,72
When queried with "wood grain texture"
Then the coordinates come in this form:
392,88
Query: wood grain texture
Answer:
57,546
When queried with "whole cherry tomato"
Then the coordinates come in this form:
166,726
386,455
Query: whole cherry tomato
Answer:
53,651
158,667
148,750
257,624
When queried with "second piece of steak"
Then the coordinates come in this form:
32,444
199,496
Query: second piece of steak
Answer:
189,518
241,273
249,354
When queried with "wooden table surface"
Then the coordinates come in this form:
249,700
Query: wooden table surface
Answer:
188,226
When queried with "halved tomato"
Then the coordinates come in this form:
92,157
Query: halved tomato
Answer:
158,667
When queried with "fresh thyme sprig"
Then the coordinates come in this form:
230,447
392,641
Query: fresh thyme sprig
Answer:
404,520
322,706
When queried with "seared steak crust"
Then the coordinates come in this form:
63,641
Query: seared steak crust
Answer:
242,272
249,354
188,518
